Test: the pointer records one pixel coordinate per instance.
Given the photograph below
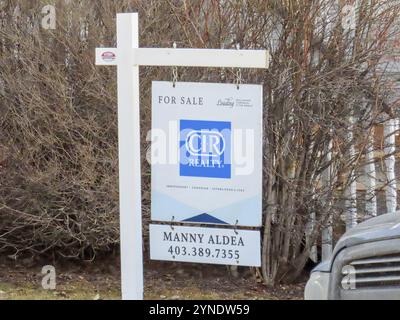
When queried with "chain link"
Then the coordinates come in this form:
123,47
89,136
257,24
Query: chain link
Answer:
174,76
239,78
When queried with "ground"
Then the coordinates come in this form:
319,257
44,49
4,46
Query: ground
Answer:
101,281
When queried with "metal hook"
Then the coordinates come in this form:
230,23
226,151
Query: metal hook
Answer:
236,225
174,71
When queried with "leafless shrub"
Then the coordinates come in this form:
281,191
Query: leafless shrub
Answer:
58,125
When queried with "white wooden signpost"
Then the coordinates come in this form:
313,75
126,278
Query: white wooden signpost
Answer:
128,57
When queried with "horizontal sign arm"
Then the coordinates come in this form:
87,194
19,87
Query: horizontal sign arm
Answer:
208,58
218,58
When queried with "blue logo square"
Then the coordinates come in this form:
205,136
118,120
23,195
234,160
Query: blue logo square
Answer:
205,149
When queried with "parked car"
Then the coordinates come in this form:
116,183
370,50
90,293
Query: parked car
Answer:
365,264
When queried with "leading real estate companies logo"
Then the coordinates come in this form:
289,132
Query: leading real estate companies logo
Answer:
205,149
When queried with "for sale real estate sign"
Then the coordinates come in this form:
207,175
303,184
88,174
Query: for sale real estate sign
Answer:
206,160
207,153
197,156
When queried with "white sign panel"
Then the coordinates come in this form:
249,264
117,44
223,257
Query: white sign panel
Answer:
207,153
205,245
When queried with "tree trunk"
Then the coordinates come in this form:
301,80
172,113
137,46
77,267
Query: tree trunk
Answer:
351,191
327,240
370,178
390,149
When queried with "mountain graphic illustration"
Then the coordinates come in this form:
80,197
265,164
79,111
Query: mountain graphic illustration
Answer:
205,218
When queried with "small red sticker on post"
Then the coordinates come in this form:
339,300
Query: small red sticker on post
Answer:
108,56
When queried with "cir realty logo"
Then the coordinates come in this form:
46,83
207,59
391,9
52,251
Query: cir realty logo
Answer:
205,144
205,149
209,149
